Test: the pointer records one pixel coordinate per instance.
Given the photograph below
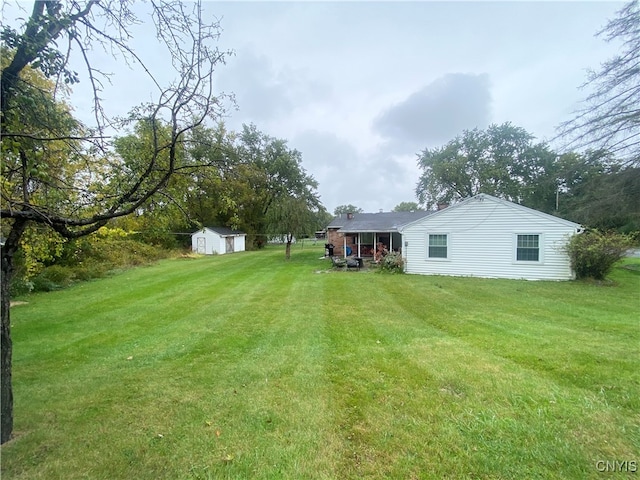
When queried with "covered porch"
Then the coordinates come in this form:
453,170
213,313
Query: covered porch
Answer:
365,244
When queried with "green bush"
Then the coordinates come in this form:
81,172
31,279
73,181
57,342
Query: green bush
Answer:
58,274
89,270
52,278
392,263
20,286
43,284
593,253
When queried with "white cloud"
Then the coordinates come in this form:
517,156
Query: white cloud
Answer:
440,111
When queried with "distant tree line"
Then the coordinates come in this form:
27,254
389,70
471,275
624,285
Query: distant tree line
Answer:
591,188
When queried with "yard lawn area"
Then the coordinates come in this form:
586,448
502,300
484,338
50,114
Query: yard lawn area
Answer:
246,366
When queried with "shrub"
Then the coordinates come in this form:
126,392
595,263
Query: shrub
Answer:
58,274
52,278
89,270
392,263
20,286
594,253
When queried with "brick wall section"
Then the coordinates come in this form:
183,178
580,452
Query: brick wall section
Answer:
333,236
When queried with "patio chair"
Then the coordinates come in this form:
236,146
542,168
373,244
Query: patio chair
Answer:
338,262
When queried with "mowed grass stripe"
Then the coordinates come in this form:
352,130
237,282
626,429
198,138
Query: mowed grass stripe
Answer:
247,366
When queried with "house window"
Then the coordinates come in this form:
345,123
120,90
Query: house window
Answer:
437,246
528,248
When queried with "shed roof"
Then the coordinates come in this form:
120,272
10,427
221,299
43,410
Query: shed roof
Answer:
224,231
375,222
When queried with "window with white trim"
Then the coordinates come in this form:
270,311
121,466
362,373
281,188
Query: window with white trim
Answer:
438,245
528,248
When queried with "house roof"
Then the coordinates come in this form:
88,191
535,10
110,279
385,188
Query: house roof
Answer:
375,222
224,231
484,196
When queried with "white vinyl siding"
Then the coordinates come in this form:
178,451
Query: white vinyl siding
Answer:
214,243
437,248
482,237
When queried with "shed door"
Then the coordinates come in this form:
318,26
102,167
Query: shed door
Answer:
229,244
201,245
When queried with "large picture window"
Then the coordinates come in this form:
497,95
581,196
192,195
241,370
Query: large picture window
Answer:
528,248
437,246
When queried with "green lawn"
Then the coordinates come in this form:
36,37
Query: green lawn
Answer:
245,366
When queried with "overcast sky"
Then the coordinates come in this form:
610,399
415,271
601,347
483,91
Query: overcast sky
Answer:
361,87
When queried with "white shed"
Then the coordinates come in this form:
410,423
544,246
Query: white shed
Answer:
485,236
217,240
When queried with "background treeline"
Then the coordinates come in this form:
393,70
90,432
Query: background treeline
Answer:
592,188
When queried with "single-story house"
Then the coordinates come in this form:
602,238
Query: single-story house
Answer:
218,240
359,233
485,236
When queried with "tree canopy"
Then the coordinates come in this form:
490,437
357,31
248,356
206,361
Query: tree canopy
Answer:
496,161
591,188
406,207
340,209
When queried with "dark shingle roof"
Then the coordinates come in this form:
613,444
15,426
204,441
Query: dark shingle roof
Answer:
375,222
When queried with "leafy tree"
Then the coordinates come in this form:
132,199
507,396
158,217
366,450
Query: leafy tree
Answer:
557,179
323,218
292,217
278,175
340,209
610,118
497,161
211,193
60,174
606,200
406,207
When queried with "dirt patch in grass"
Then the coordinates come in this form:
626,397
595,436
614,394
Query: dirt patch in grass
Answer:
17,303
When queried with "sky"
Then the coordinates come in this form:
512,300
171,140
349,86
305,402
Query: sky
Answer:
361,88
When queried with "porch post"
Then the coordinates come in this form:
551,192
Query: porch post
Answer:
359,255
344,246
390,242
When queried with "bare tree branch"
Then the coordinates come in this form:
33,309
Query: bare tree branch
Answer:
610,118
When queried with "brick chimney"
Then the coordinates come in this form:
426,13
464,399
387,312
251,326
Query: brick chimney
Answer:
350,216
442,206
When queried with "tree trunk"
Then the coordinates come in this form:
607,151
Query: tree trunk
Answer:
6,389
6,394
287,252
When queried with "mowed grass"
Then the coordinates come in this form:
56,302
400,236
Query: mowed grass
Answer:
246,366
